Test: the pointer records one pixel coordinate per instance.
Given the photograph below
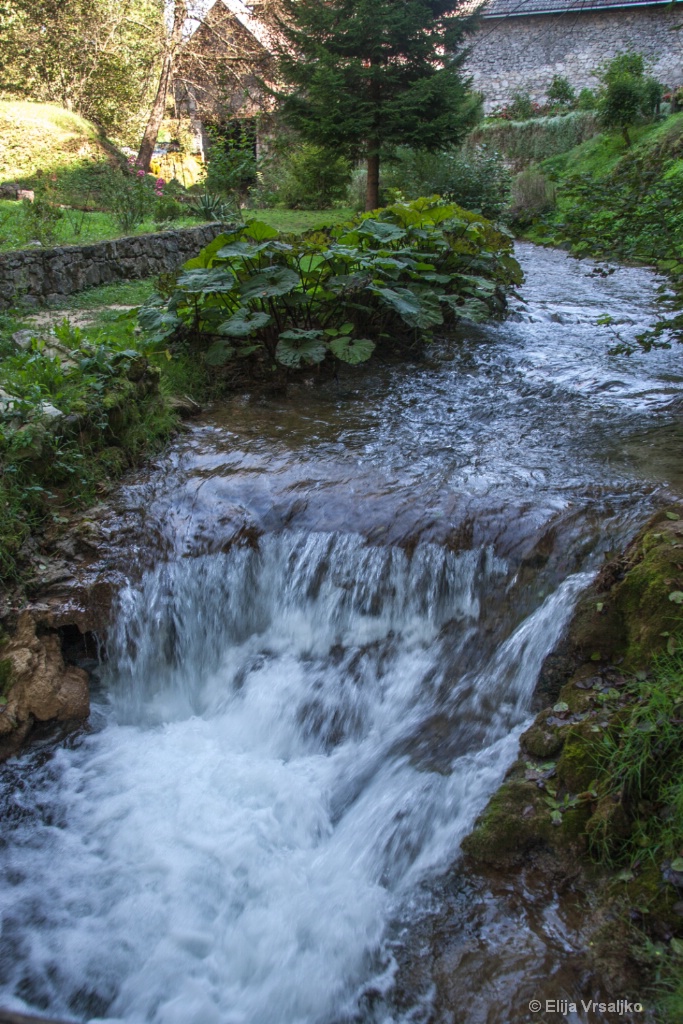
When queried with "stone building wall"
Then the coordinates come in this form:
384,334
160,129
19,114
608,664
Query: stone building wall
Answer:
521,54
34,276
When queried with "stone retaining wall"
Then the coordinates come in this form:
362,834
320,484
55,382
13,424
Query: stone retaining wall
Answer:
521,54
35,276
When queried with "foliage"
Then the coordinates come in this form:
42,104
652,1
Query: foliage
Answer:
627,95
131,195
587,100
311,178
532,195
560,91
525,141
624,205
77,414
41,217
476,178
231,166
92,56
642,761
295,301
212,207
522,108
359,76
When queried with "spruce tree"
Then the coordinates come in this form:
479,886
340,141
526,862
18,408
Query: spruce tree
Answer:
360,76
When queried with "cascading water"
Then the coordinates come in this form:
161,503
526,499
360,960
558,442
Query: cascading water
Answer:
230,843
314,690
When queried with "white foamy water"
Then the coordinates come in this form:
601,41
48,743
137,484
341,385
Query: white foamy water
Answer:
230,845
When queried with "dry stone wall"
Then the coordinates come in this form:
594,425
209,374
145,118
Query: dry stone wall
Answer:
36,276
521,54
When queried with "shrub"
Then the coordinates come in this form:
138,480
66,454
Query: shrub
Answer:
130,194
627,96
310,178
587,100
231,164
294,301
561,92
532,195
536,139
475,178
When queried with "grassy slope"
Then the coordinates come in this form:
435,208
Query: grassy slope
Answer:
616,212
44,136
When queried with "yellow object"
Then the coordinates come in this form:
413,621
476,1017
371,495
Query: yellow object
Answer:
186,169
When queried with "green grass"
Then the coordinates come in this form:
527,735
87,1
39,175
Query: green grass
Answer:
44,136
75,227
621,203
123,293
600,155
297,221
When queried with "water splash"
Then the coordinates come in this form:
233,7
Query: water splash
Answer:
229,847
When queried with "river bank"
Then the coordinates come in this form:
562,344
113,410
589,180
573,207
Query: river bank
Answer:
327,617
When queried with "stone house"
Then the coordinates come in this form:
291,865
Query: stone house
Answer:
522,44
217,74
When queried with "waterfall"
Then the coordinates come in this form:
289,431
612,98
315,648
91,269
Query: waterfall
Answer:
263,791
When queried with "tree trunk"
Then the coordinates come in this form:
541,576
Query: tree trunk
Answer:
149,139
372,194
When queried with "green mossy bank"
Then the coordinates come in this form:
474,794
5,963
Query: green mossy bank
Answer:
618,203
598,783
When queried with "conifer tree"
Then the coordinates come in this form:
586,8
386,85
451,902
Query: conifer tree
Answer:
363,75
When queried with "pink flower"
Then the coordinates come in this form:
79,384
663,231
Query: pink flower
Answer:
160,182
141,173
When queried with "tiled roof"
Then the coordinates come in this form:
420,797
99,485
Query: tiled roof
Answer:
519,8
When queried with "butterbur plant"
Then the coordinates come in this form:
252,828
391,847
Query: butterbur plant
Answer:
387,277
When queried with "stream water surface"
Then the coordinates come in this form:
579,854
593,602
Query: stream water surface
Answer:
337,608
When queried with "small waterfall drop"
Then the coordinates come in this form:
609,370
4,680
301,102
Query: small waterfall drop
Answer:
259,800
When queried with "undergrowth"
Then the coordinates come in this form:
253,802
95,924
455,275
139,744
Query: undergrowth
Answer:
618,203
73,415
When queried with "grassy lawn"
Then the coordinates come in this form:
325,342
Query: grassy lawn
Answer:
296,221
74,228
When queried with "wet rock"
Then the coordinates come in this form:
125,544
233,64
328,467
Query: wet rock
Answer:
39,686
541,740
184,406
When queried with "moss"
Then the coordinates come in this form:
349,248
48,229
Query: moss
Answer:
576,768
542,740
514,820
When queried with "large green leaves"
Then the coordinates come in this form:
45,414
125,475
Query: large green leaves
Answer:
419,311
300,348
336,293
352,350
269,284
244,323
208,281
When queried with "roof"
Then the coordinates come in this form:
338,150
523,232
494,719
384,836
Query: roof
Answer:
520,8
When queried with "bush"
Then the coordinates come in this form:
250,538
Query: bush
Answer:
306,177
131,195
532,195
587,100
476,178
561,92
249,300
627,96
537,139
231,164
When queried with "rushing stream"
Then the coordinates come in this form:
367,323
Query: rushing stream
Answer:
337,609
